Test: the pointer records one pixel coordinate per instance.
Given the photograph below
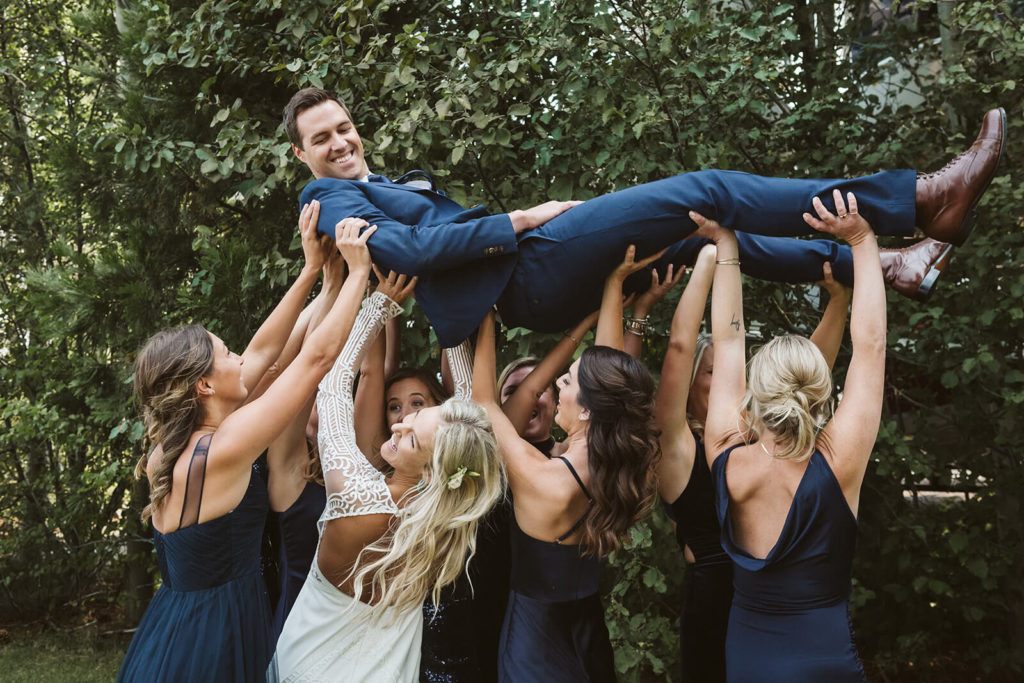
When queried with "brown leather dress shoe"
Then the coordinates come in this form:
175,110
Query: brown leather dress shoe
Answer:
912,271
945,199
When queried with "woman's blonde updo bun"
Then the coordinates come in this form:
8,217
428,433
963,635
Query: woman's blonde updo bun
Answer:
789,392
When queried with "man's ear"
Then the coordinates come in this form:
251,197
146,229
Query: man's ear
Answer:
299,153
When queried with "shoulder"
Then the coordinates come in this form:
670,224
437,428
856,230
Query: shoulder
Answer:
322,187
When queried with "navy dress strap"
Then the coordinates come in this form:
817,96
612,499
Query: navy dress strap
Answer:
194,484
590,499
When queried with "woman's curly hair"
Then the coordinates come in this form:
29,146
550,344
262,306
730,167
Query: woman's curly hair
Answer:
622,442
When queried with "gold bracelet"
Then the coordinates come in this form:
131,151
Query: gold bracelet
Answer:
729,262
637,326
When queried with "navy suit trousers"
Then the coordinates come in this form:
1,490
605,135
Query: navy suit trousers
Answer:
562,265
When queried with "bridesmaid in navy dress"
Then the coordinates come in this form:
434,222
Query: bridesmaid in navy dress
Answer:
684,480
788,478
210,620
570,511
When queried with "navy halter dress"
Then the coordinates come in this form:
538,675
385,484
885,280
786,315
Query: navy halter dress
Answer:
790,611
297,540
210,620
707,590
554,629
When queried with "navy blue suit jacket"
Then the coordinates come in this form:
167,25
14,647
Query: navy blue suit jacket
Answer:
463,257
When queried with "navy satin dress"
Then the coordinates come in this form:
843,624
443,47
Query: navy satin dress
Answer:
554,629
297,540
790,618
210,620
707,590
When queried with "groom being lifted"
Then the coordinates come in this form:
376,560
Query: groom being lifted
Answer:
544,266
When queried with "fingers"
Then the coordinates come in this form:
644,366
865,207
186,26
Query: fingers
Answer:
673,280
309,217
655,280
837,198
366,234
650,259
376,271
852,201
628,259
826,270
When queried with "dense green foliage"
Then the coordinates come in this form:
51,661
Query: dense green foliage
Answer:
146,181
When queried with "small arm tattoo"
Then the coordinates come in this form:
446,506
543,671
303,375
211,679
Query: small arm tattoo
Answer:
735,322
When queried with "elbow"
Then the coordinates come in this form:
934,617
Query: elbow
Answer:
679,347
869,343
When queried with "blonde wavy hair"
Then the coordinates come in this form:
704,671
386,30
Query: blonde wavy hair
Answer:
789,392
703,344
166,372
433,537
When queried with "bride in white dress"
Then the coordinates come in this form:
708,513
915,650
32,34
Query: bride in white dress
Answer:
387,542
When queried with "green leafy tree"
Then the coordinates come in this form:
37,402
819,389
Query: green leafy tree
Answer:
147,181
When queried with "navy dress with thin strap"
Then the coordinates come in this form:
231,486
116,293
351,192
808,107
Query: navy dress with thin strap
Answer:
554,629
297,540
707,590
790,611
210,620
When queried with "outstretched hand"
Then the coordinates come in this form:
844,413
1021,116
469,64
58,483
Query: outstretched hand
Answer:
708,228
630,265
829,284
352,245
316,248
658,289
847,225
395,286
539,215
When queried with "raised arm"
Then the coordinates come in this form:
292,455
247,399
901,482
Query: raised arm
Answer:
677,443
354,485
828,335
311,316
460,363
728,383
371,426
246,432
609,323
270,339
519,406
518,454
371,423
288,455
850,435
633,343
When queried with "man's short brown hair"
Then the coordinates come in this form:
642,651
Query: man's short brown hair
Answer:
307,98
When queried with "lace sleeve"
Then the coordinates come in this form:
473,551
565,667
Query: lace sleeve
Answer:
354,486
460,360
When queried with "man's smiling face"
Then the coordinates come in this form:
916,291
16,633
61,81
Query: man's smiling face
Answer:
331,147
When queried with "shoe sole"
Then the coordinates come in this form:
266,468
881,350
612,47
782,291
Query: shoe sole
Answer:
967,225
924,290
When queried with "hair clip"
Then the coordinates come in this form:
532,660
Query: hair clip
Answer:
455,478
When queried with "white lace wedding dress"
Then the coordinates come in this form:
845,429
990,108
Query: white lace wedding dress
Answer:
328,635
